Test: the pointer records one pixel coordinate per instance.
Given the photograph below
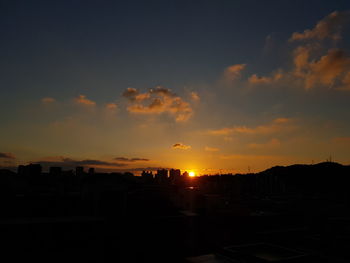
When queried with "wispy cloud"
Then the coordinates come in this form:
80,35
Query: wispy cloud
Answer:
181,146
233,72
111,106
194,96
277,125
341,140
83,100
248,157
71,163
211,149
7,155
255,79
271,144
48,100
131,160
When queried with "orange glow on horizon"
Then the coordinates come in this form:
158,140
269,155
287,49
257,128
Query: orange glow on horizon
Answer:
191,174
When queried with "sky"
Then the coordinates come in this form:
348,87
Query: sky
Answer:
208,86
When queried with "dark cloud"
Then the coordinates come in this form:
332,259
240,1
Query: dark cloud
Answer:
136,170
124,159
181,146
7,156
139,169
71,163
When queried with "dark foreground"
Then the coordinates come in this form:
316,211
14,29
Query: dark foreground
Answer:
266,217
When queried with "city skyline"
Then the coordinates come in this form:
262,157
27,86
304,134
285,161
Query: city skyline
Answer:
216,87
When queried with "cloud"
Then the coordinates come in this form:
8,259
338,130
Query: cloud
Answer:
142,96
329,27
82,100
211,149
270,44
255,79
328,69
315,65
273,143
130,93
301,56
249,157
346,82
277,125
159,90
150,168
119,164
194,96
222,131
124,159
233,72
71,163
341,140
111,106
138,170
134,95
157,101
7,156
47,100
181,146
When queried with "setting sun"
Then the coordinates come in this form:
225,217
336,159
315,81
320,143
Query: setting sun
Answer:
191,174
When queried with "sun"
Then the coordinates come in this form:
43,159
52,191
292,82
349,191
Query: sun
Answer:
191,174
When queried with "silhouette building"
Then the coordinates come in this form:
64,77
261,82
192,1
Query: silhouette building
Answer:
30,169
79,170
55,170
175,173
147,175
162,176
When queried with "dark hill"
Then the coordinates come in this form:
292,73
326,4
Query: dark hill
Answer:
322,178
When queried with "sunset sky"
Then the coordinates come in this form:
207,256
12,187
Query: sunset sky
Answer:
211,86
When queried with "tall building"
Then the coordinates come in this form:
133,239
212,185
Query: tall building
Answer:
175,176
147,174
162,173
79,170
30,169
174,173
162,176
